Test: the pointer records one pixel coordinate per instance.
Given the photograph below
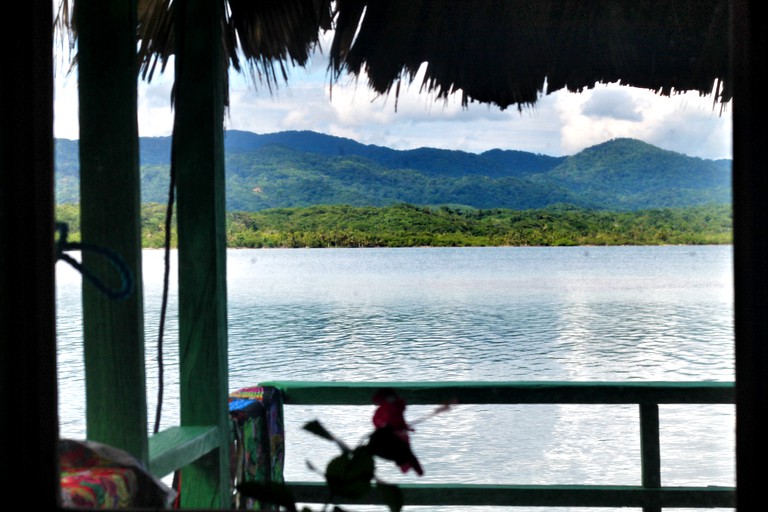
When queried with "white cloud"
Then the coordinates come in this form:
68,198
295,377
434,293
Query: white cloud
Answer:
154,104
65,125
617,104
561,123
686,123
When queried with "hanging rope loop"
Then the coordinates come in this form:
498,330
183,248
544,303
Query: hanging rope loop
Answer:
126,276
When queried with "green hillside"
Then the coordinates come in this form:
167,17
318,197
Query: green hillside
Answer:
630,174
300,169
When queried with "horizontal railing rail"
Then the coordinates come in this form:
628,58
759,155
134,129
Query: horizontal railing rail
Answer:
650,494
177,447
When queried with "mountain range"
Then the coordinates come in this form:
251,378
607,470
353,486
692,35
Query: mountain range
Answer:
304,168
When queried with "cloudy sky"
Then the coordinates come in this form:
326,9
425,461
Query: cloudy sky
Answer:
560,124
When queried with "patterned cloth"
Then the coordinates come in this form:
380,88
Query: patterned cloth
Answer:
98,488
94,475
258,453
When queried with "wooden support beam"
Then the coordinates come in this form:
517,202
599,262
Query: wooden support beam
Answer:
28,391
750,248
198,160
113,329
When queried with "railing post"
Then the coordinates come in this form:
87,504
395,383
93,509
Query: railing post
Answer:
650,451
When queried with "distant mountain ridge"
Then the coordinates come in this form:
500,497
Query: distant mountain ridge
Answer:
431,161
304,168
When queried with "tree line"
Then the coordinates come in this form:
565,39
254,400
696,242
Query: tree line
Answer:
407,225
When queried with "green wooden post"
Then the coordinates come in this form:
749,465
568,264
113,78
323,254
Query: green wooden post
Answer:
116,407
650,451
28,421
198,156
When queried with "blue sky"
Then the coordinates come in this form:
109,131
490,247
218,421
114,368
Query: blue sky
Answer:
560,124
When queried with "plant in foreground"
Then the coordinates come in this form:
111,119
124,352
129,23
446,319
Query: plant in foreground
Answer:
351,475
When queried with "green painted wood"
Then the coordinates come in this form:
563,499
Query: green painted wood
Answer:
176,447
650,450
28,391
540,495
198,159
360,393
113,330
651,496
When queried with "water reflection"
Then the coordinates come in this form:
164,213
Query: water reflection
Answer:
578,314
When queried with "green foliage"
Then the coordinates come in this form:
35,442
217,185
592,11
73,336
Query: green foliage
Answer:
301,169
153,218
70,215
630,174
407,225
303,189
622,174
67,184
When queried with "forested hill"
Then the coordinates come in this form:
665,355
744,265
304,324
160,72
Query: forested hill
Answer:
301,168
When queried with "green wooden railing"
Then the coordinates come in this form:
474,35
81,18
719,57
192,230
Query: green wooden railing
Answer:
649,495
176,447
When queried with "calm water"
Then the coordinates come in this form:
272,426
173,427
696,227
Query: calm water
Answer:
573,314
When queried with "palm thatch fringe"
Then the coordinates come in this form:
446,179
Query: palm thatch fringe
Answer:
502,52
267,35
509,52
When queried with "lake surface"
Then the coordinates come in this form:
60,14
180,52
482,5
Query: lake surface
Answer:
480,314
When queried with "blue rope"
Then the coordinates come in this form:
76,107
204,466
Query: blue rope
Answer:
126,276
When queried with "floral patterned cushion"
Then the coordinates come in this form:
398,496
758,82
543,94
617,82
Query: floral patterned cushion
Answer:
94,475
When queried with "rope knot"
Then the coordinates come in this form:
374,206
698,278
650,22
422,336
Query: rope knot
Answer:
126,276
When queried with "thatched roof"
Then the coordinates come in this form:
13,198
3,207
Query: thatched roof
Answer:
267,34
260,37
502,52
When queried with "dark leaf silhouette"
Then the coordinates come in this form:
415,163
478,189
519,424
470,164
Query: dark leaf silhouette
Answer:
269,492
319,430
349,475
391,495
388,444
